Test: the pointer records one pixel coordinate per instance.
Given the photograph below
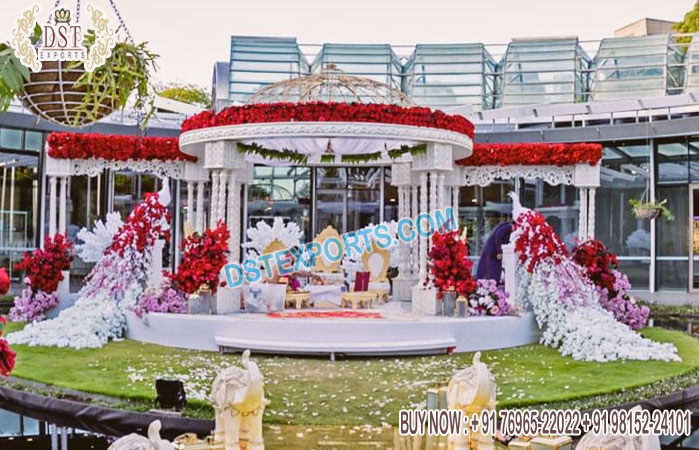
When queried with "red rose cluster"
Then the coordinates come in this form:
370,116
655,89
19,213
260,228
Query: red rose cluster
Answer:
145,224
44,265
533,154
115,148
450,267
203,257
599,263
536,241
7,355
418,116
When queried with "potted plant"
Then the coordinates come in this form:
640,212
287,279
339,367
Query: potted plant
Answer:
649,210
65,93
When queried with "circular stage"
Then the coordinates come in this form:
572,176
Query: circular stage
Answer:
392,333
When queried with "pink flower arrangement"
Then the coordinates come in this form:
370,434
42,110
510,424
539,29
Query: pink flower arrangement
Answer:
488,300
600,267
31,306
164,299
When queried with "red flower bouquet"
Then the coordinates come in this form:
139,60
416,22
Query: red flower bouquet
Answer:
44,265
4,281
115,148
531,154
419,116
450,267
203,257
536,241
140,230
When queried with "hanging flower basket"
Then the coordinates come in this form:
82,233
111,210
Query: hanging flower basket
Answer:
54,95
650,210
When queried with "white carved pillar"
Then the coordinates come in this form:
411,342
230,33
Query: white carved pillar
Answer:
63,204
234,217
582,219
414,257
591,213
440,192
52,206
455,201
213,209
190,203
403,248
222,184
200,207
422,254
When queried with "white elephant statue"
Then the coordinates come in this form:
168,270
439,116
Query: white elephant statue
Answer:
472,390
135,441
239,402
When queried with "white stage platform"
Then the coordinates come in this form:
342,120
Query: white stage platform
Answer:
396,333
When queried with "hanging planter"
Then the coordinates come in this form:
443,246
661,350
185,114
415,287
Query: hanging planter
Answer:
66,94
651,210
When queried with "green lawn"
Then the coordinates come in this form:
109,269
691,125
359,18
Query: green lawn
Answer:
346,392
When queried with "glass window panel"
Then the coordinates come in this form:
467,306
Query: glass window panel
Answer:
622,180
481,209
363,208
672,275
280,192
9,423
329,210
638,271
673,165
33,140
11,138
331,177
390,198
363,177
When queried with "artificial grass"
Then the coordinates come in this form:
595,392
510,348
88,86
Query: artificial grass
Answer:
307,391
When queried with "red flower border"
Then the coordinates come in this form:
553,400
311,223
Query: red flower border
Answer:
418,116
533,154
115,147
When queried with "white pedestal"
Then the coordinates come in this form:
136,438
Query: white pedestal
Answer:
156,264
227,300
424,301
402,288
509,265
64,285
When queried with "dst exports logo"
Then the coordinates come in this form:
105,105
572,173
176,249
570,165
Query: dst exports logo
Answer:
63,38
62,41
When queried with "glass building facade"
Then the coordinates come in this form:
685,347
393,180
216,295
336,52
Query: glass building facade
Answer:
530,71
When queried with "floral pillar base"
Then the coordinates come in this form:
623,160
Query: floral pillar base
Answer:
64,285
509,266
156,264
227,300
424,301
402,286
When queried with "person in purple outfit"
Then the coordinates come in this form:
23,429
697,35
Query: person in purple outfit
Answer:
490,264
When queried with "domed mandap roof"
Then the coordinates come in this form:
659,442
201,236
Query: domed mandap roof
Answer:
330,85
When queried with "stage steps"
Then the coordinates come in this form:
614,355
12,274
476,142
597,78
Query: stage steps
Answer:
380,348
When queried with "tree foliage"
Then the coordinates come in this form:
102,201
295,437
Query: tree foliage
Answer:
690,23
186,93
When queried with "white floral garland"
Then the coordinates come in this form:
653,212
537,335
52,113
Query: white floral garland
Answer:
568,310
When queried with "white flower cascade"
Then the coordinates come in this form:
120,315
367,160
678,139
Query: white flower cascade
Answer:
113,285
567,307
261,235
95,242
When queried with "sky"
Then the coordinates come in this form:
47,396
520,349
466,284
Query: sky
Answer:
191,35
